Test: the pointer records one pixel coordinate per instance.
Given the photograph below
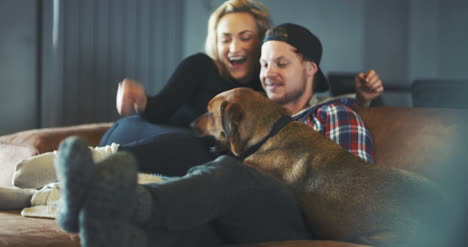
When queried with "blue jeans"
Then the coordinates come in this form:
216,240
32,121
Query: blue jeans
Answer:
161,149
228,202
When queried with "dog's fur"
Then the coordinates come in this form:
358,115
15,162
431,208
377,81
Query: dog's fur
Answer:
343,197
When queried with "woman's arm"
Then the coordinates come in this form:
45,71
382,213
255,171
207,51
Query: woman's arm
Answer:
179,89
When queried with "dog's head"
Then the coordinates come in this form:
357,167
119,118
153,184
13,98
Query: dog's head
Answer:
238,119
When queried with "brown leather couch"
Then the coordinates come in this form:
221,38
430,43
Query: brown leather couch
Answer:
430,142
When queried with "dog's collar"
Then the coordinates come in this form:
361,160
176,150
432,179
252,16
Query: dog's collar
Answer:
283,121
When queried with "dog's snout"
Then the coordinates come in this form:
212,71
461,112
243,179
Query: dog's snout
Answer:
195,126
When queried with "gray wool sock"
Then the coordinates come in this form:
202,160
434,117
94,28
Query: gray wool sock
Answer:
144,205
107,216
75,170
101,201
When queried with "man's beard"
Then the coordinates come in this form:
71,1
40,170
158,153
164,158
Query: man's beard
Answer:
290,97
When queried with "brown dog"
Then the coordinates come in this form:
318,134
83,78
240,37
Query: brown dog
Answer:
343,197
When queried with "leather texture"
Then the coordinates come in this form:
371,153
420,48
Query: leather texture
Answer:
16,230
21,145
428,141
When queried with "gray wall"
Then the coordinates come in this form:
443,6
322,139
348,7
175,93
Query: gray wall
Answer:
402,39
61,60
18,65
68,76
438,39
453,36
89,46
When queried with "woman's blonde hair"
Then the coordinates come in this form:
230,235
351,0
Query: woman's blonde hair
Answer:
257,10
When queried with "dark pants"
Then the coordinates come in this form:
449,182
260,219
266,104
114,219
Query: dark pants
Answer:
224,201
161,149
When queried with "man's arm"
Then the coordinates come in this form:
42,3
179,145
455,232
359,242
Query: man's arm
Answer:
368,87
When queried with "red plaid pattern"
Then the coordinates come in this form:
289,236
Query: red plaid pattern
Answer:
337,120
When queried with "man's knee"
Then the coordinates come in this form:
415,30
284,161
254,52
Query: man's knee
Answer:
229,170
223,166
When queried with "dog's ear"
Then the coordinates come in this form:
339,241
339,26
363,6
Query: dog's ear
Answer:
231,114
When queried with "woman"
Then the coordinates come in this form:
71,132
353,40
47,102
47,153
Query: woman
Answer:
232,47
219,202
234,33
159,133
159,136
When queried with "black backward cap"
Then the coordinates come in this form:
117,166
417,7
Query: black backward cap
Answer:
306,43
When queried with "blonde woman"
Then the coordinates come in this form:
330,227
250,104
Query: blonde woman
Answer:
158,135
159,132
235,32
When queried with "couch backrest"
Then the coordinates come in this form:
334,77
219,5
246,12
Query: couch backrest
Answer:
431,142
425,140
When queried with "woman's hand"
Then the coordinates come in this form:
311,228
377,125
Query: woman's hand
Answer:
368,87
131,97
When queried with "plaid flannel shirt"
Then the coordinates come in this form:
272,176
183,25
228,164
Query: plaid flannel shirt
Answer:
337,120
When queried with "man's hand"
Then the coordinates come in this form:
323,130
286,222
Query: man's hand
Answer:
131,97
368,87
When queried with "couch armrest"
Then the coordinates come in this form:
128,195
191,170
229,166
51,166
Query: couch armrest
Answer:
24,144
48,139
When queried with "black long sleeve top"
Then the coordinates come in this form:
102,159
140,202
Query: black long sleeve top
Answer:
188,91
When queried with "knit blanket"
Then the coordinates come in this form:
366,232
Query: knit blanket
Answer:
44,202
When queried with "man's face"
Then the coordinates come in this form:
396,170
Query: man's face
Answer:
284,75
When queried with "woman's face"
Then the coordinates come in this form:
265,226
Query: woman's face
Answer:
239,46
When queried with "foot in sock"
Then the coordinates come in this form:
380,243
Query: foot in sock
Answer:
103,196
75,170
107,216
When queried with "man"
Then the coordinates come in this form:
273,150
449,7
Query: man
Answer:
220,202
289,74
297,95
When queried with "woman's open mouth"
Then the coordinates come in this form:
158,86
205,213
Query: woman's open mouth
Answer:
236,61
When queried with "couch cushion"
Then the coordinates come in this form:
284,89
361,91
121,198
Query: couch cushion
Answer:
301,243
16,230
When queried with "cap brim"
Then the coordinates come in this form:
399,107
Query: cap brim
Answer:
321,82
